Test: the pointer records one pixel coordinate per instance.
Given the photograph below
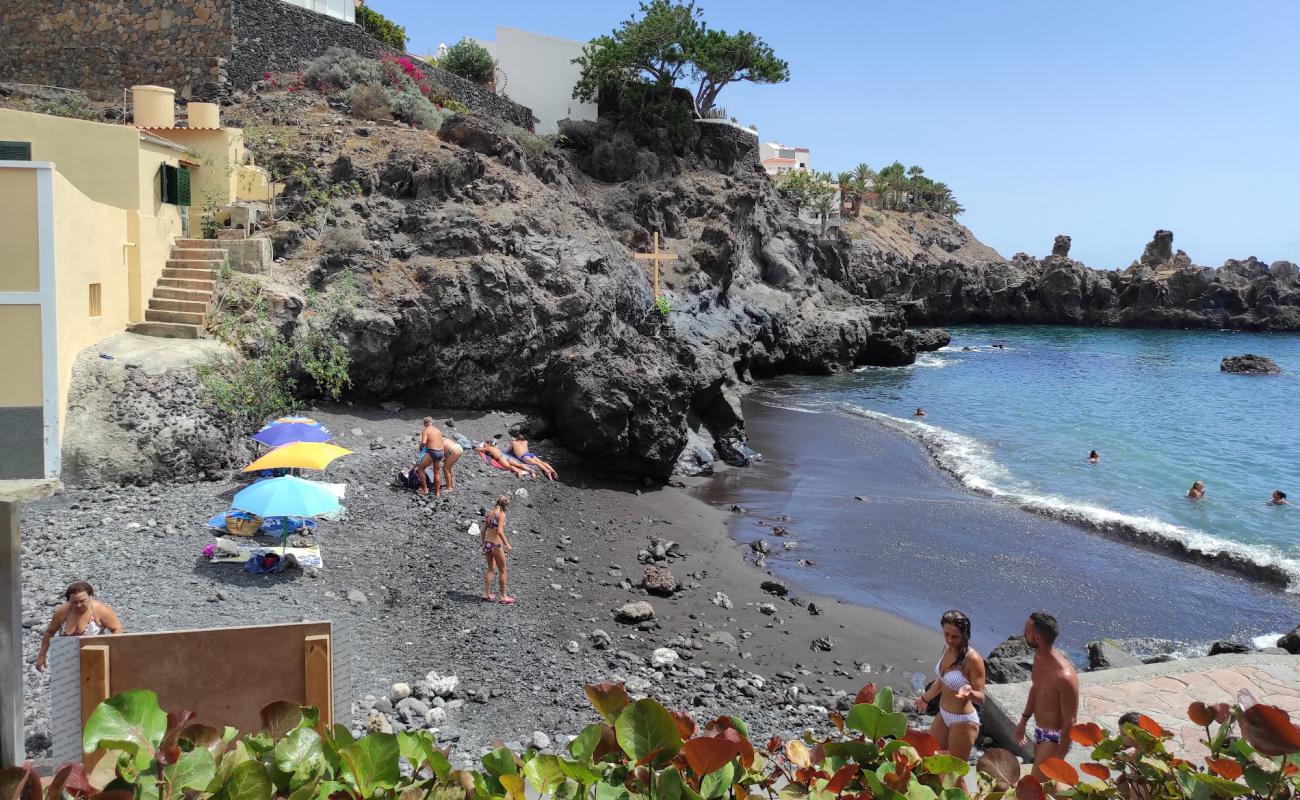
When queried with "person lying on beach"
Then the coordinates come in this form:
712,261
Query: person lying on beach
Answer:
81,615
453,454
1094,457
495,547
432,452
960,688
505,462
1197,491
1053,693
1279,498
920,412
519,452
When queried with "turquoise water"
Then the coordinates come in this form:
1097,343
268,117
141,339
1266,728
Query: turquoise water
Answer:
1018,423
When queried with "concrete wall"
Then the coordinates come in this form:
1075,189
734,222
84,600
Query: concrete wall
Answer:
100,159
538,71
104,46
18,215
215,180
152,227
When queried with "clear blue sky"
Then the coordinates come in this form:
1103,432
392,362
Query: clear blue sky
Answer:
1103,120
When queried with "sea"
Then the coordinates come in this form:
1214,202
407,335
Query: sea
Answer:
989,501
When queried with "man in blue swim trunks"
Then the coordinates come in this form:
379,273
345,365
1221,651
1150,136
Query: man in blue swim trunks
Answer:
432,452
1053,693
519,452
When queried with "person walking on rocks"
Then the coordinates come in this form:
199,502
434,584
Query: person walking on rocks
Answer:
960,688
495,547
432,453
81,615
1053,693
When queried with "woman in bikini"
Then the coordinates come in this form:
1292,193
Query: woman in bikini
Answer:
495,547
493,452
960,688
81,615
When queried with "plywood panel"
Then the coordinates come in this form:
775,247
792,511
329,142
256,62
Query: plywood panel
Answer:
224,675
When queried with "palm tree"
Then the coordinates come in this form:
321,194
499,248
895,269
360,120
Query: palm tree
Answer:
863,176
845,181
914,174
880,185
942,195
822,207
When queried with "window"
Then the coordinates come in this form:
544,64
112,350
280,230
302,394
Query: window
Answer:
175,185
15,151
96,299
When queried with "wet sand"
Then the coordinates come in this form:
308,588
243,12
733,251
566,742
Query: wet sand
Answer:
918,544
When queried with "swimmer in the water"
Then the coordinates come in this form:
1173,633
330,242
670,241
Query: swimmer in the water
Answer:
920,412
1094,457
1279,498
1197,491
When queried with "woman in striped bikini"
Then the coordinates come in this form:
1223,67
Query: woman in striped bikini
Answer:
959,687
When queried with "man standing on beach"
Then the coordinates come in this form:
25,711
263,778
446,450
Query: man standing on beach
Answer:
1053,692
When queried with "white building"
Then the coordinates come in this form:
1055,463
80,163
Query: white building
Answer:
537,71
777,158
339,9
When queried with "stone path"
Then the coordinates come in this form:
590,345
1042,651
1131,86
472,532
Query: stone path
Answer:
1162,692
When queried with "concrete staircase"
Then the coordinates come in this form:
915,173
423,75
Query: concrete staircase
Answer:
179,306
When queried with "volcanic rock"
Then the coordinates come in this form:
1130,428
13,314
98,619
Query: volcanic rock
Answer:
1009,662
1107,654
1250,364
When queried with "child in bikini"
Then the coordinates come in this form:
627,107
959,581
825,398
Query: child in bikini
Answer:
495,547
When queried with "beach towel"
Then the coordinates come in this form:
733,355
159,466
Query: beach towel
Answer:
462,440
303,556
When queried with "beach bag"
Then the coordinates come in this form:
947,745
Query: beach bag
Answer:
267,563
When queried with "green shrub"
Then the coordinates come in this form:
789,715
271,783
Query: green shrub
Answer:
410,106
470,60
369,101
74,105
663,306
340,68
381,28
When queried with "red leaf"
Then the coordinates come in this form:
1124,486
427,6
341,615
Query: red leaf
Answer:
923,741
837,720
842,778
1096,770
1150,726
685,724
1029,788
774,744
1224,767
709,754
1089,734
1269,730
607,698
1200,714
867,694
1059,770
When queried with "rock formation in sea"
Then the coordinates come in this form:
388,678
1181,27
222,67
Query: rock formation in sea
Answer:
1250,364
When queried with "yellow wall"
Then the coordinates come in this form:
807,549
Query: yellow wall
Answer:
253,184
219,154
98,158
20,358
152,229
19,248
89,239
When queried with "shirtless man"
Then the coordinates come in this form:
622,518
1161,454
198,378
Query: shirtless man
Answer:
1053,692
432,452
520,452
493,452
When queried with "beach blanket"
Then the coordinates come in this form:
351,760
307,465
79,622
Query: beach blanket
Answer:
304,556
270,525
496,464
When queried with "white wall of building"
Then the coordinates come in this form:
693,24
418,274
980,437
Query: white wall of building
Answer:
339,9
537,70
778,158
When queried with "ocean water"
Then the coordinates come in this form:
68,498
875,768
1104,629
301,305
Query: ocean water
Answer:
1017,422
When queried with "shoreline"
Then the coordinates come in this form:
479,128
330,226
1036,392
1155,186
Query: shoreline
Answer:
919,542
419,577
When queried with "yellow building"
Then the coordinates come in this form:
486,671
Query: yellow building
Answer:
89,215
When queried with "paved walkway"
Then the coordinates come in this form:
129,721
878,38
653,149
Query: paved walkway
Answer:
1162,692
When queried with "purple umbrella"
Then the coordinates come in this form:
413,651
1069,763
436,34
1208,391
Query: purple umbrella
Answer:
290,432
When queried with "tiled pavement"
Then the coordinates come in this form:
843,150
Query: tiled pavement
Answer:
1162,692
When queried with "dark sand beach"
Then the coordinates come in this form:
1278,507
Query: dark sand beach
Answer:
917,543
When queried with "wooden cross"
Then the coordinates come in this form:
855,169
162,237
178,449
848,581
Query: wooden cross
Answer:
656,256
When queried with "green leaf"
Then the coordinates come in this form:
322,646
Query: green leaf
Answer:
420,749
1221,786
645,728
717,782
669,784
580,771
944,764
884,699
130,721
544,772
740,726
612,791
919,791
865,753
300,753
869,719
194,770
500,762
1259,780
583,746
371,762
248,781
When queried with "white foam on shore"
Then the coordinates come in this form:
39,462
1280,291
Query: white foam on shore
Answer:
1267,640
801,410
972,463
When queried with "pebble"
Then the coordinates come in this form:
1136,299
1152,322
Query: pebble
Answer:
572,647
539,741
356,597
721,600
664,657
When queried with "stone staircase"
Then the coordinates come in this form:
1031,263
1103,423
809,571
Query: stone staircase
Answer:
179,306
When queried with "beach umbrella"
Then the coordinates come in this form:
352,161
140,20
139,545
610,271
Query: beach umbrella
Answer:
286,497
299,455
290,432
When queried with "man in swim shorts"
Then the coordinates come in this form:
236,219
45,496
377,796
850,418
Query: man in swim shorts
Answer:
1053,693
519,451
432,452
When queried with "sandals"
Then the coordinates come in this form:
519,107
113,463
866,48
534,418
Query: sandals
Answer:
507,601
489,598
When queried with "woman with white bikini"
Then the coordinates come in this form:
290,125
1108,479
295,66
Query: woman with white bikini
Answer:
81,615
959,686
495,547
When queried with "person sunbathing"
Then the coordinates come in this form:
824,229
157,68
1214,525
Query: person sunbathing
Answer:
519,451
505,462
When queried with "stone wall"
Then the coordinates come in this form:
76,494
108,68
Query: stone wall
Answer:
104,46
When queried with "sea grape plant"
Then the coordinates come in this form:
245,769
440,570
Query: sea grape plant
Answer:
639,750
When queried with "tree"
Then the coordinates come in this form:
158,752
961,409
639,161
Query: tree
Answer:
847,193
863,179
381,28
471,61
669,43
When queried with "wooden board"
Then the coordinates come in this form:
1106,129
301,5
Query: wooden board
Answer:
224,675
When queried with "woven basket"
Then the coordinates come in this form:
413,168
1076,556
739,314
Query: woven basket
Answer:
241,526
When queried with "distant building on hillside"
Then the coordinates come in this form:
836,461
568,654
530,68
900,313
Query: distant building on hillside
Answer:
339,9
777,158
537,71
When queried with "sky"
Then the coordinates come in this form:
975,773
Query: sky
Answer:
1101,120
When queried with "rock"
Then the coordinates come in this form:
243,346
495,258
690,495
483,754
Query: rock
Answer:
636,684
521,493
600,639
767,608
790,545
412,709
1291,642
539,741
722,601
378,723
814,609
1108,654
760,546
356,597
572,647
664,657
392,406
635,612
1223,647
1158,658
435,716
925,341
443,686
400,692
823,643
1061,246
1249,364
775,587
1009,662
722,637
659,581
